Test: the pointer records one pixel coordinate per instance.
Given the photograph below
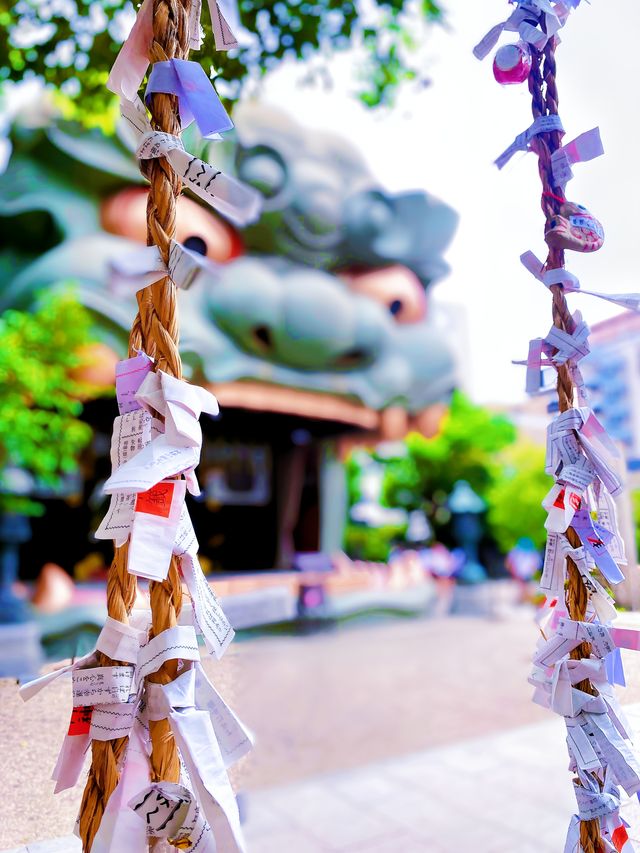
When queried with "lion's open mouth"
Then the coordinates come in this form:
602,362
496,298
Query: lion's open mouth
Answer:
389,424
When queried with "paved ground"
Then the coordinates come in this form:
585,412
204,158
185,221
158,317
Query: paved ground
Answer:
495,794
498,794
342,702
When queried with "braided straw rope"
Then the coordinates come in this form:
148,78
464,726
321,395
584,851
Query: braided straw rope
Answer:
154,330
157,327
106,755
544,94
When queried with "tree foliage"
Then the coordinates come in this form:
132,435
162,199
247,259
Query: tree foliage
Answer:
40,398
72,43
464,448
472,444
372,543
515,497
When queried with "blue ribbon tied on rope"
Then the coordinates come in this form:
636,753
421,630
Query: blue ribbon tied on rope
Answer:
198,100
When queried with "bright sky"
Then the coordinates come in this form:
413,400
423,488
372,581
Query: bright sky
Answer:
445,139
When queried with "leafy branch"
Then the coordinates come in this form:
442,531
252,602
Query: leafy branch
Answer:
71,44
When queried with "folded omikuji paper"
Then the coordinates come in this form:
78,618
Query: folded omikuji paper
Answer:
571,284
132,431
585,147
235,200
154,528
193,731
132,61
197,99
178,449
129,376
595,539
168,810
120,828
144,266
208,614
542,124
520,22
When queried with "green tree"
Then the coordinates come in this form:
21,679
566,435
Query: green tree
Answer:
465,448
72,43
515,497
472,444
40,400
372,543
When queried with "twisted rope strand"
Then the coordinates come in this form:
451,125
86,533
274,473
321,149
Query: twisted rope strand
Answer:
544,101
157,327
106,756
154,330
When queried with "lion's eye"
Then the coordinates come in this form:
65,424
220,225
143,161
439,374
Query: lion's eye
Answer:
196,244
395,287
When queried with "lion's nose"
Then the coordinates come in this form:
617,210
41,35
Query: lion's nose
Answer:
308,320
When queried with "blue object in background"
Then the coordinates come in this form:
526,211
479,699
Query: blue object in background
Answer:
467,509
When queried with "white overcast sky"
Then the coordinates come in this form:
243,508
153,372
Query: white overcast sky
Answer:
445,138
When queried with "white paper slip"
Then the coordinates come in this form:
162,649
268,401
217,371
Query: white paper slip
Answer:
102,685
235,200
109,722
157,461
200,752
118,519
173,644
553,649
553,570
182,404
616,751
591,632
31,688
120,641
131,432
210,619
70,761
233,738
154,528
580,746
120,830
170,811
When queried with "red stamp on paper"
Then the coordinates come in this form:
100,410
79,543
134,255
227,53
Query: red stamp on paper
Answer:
559,501
80,722
157,501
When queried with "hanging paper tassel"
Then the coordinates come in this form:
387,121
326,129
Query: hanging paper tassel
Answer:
578,659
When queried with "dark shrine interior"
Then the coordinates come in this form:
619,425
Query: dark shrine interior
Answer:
259,507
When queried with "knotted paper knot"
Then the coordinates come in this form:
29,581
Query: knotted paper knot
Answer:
543,124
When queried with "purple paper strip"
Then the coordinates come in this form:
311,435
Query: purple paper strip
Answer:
197,98
595,538
130,374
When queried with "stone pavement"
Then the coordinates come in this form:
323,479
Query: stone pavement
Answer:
332,701
500,794
497,794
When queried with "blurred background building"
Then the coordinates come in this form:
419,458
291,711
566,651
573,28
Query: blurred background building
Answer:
612,374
